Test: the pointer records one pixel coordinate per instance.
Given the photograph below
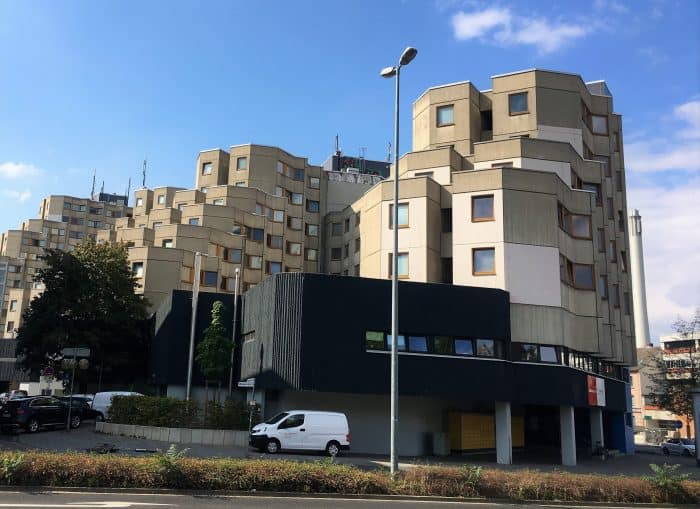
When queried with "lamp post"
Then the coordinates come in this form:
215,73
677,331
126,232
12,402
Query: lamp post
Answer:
389,72
195,299
233,334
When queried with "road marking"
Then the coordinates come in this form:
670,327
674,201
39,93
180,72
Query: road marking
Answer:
84,505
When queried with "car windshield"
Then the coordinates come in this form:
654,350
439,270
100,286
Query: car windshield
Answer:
687,441
277,418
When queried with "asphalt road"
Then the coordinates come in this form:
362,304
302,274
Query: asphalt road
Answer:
49,499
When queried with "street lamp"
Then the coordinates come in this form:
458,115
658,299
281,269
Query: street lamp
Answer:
233,334
195,299
389,72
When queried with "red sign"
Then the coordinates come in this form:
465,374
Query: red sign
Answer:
596,391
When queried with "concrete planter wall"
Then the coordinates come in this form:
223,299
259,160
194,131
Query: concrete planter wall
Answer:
221,437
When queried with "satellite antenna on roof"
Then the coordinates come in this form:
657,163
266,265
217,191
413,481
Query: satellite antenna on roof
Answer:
143,184
92,193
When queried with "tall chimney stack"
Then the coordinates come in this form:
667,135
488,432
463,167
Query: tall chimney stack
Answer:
639,293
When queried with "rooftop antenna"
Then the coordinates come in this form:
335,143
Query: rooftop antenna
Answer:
145,163
388,155
338,152
92,193
362,159
102,189
128,190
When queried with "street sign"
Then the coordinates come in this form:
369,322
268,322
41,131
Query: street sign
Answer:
250,383
76,352
679,425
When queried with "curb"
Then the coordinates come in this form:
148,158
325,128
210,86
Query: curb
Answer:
330,496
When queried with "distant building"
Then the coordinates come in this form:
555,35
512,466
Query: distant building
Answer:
344,163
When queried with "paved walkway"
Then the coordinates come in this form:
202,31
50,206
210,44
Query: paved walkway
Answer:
548,461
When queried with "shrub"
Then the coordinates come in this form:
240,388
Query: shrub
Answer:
176,413
667,480
169,466
9,465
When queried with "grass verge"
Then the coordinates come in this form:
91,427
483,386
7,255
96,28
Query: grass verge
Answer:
174,470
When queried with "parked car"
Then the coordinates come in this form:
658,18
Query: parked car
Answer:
303,430
5,396
31,414
82,405
682,446
102,402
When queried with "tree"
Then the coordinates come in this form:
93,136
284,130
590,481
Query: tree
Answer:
89,300
672,382
214,352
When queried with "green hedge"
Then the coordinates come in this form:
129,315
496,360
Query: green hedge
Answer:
177,413
171,470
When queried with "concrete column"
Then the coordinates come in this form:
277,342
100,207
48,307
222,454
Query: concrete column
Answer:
568,435
596,415
504,435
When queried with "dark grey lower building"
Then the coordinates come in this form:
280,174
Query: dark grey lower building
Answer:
321,342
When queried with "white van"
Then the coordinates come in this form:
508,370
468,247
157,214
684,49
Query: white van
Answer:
303,430
102,402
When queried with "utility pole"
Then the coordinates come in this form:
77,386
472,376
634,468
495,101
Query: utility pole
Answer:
195,300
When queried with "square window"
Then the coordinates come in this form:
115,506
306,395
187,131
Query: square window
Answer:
279,191
603,286
240,183
403,215
442,345
483,261
605,162
583,276
161,199
13,305
167,243
336,253
206,168
209,278
311,254
274,241
255,262
314,182
487,348
238,229
274,267
595,188
528,353
418,344
581,226
242,163
482,208
139,202
517,103
278,216
400,343
194,221
294,248
312,230
299,175
312,206
336,229
549,354
599,124
402,265
296,198
374,340
445,115
257,234
464,346
137,269
234,255
294,223
219,201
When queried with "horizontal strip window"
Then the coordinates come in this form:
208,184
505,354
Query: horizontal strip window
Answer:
530,352
436,345
578,275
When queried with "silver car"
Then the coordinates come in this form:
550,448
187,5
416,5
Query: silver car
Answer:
682,446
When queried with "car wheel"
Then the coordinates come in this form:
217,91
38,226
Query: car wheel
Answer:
665,451
686,452
33,425
273,446
75,421
333,448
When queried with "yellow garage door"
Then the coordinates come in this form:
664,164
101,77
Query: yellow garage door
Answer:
478,431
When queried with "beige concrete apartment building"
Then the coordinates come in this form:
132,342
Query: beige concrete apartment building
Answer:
64,221
256,209
521,188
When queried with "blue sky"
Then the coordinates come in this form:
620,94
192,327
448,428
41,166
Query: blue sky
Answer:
102,85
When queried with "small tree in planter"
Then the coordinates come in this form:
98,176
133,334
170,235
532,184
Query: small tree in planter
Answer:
214,352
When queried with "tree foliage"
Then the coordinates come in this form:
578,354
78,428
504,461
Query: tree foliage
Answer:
671,385
214,352
89,301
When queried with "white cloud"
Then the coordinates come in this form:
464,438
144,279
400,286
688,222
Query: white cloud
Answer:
678,152
670,227
502,26
19,196
17,170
